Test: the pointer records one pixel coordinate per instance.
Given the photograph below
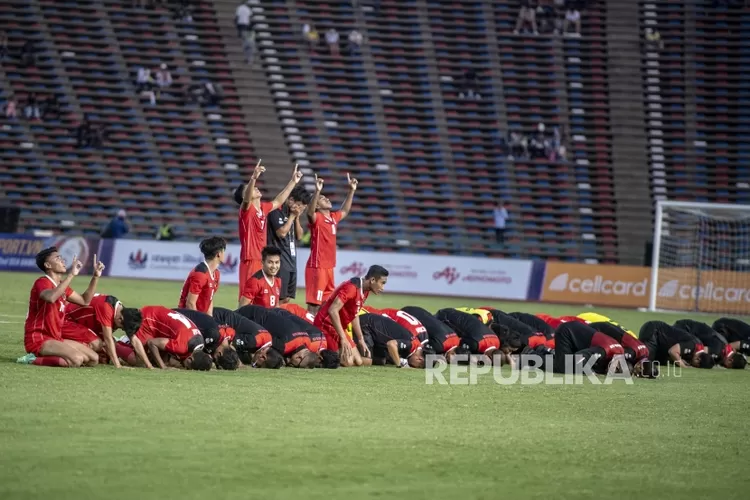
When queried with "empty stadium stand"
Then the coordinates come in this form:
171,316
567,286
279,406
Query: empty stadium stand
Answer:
431,158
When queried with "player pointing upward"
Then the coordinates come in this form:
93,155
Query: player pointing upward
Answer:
252,219
319,281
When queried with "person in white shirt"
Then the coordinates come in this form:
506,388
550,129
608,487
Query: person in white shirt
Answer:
242,17
501,216
332,38
163,77
355,41
144,84
572,17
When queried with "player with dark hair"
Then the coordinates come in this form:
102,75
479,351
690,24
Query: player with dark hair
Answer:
318,344
573,338
515,333
49,295
208,327
165,330
736,332
264,287
476,337
284,229
721,351
203,281
342,308
390,342
669,344
323,224
537,324
636,352
99,319
440,337
239,334
252,219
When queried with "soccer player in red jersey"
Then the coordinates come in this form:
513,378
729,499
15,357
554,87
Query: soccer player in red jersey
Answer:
406,320
47,301
165,330
342,308
252,219
203,281
299,311
93,325
264,287
319,280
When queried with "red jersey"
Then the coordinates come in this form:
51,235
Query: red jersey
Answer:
408,321
200,282
351,294
262,292
323,241
553,322
299,311
45,318
162,323
252,224
98,314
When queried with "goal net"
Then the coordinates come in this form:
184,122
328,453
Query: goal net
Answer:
701,259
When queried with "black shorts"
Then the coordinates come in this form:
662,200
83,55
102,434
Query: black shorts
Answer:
288,283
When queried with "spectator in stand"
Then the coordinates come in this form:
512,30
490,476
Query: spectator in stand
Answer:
355,42
249,46
538,143
311,35
145,84
653,40
11,109
3,46
527,14
500,214
242,17
117,227
163,77
469,85
183,11
332,39
213,93
517,145
572,17
28,53
51,107
31,108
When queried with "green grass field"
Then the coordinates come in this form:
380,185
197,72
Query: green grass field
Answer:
354,433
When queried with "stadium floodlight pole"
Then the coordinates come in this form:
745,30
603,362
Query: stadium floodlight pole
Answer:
661,205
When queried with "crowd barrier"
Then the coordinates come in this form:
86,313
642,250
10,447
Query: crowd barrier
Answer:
471,277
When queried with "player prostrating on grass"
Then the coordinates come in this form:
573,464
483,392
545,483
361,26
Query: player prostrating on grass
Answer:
99,319
264,287
342,308
441,337
319,279
391,342
721,351
736,332
165,330
203,281
44,321
669,344
252,219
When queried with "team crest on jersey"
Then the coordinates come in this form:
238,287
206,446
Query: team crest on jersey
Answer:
137,260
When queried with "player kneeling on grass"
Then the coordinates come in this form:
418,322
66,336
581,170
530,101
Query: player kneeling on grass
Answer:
163,330
94,324
43,330
341,309
583,343
636,352
721,351
736,332
390,342
669,344
263,288
203,281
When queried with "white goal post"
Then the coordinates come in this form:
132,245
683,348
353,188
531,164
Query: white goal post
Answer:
701,258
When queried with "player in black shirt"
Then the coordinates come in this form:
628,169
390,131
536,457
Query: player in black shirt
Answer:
440,337
476,337
720,350
669,344
234,326
583,342
538,324
208,327
736,332
389,341
636,352
326,357
284,229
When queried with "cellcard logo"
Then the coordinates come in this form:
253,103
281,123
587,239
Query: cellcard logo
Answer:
559,284
669,289
709,291
532,370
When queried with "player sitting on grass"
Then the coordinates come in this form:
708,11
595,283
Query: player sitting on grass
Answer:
721,351
43,329
252,219
390,342
100,318
263,288
669,344
736,332
165,330
323,224
583,343
341,309
203,281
